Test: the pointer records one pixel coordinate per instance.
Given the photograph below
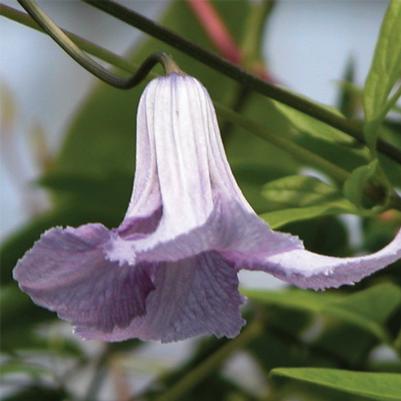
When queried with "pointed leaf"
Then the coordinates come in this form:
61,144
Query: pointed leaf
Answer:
368,309
296,198
376,386
385,70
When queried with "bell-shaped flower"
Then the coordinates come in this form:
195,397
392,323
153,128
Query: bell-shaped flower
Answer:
169,271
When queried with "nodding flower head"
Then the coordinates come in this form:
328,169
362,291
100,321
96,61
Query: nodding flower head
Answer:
169,271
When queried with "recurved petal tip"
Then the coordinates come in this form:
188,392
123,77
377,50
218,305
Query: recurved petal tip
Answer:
310,270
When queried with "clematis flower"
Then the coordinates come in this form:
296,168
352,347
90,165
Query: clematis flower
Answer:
169,271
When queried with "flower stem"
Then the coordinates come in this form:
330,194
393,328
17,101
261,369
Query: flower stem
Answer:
212,362
212,60
243,77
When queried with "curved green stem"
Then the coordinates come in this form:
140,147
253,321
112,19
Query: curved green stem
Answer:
63,40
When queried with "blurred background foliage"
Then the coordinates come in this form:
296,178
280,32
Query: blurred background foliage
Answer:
336,345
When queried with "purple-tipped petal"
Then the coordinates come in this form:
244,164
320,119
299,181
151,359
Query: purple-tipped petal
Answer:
66,271
194,296
310,270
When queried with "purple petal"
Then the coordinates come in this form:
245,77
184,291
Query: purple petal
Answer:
310,270
194,296
66,271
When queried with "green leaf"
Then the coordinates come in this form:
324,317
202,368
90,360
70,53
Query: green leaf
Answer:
296,198
349,97
385,70
367,189
30,369
280,218
299,191
312,126
376,386
367,309
251,177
